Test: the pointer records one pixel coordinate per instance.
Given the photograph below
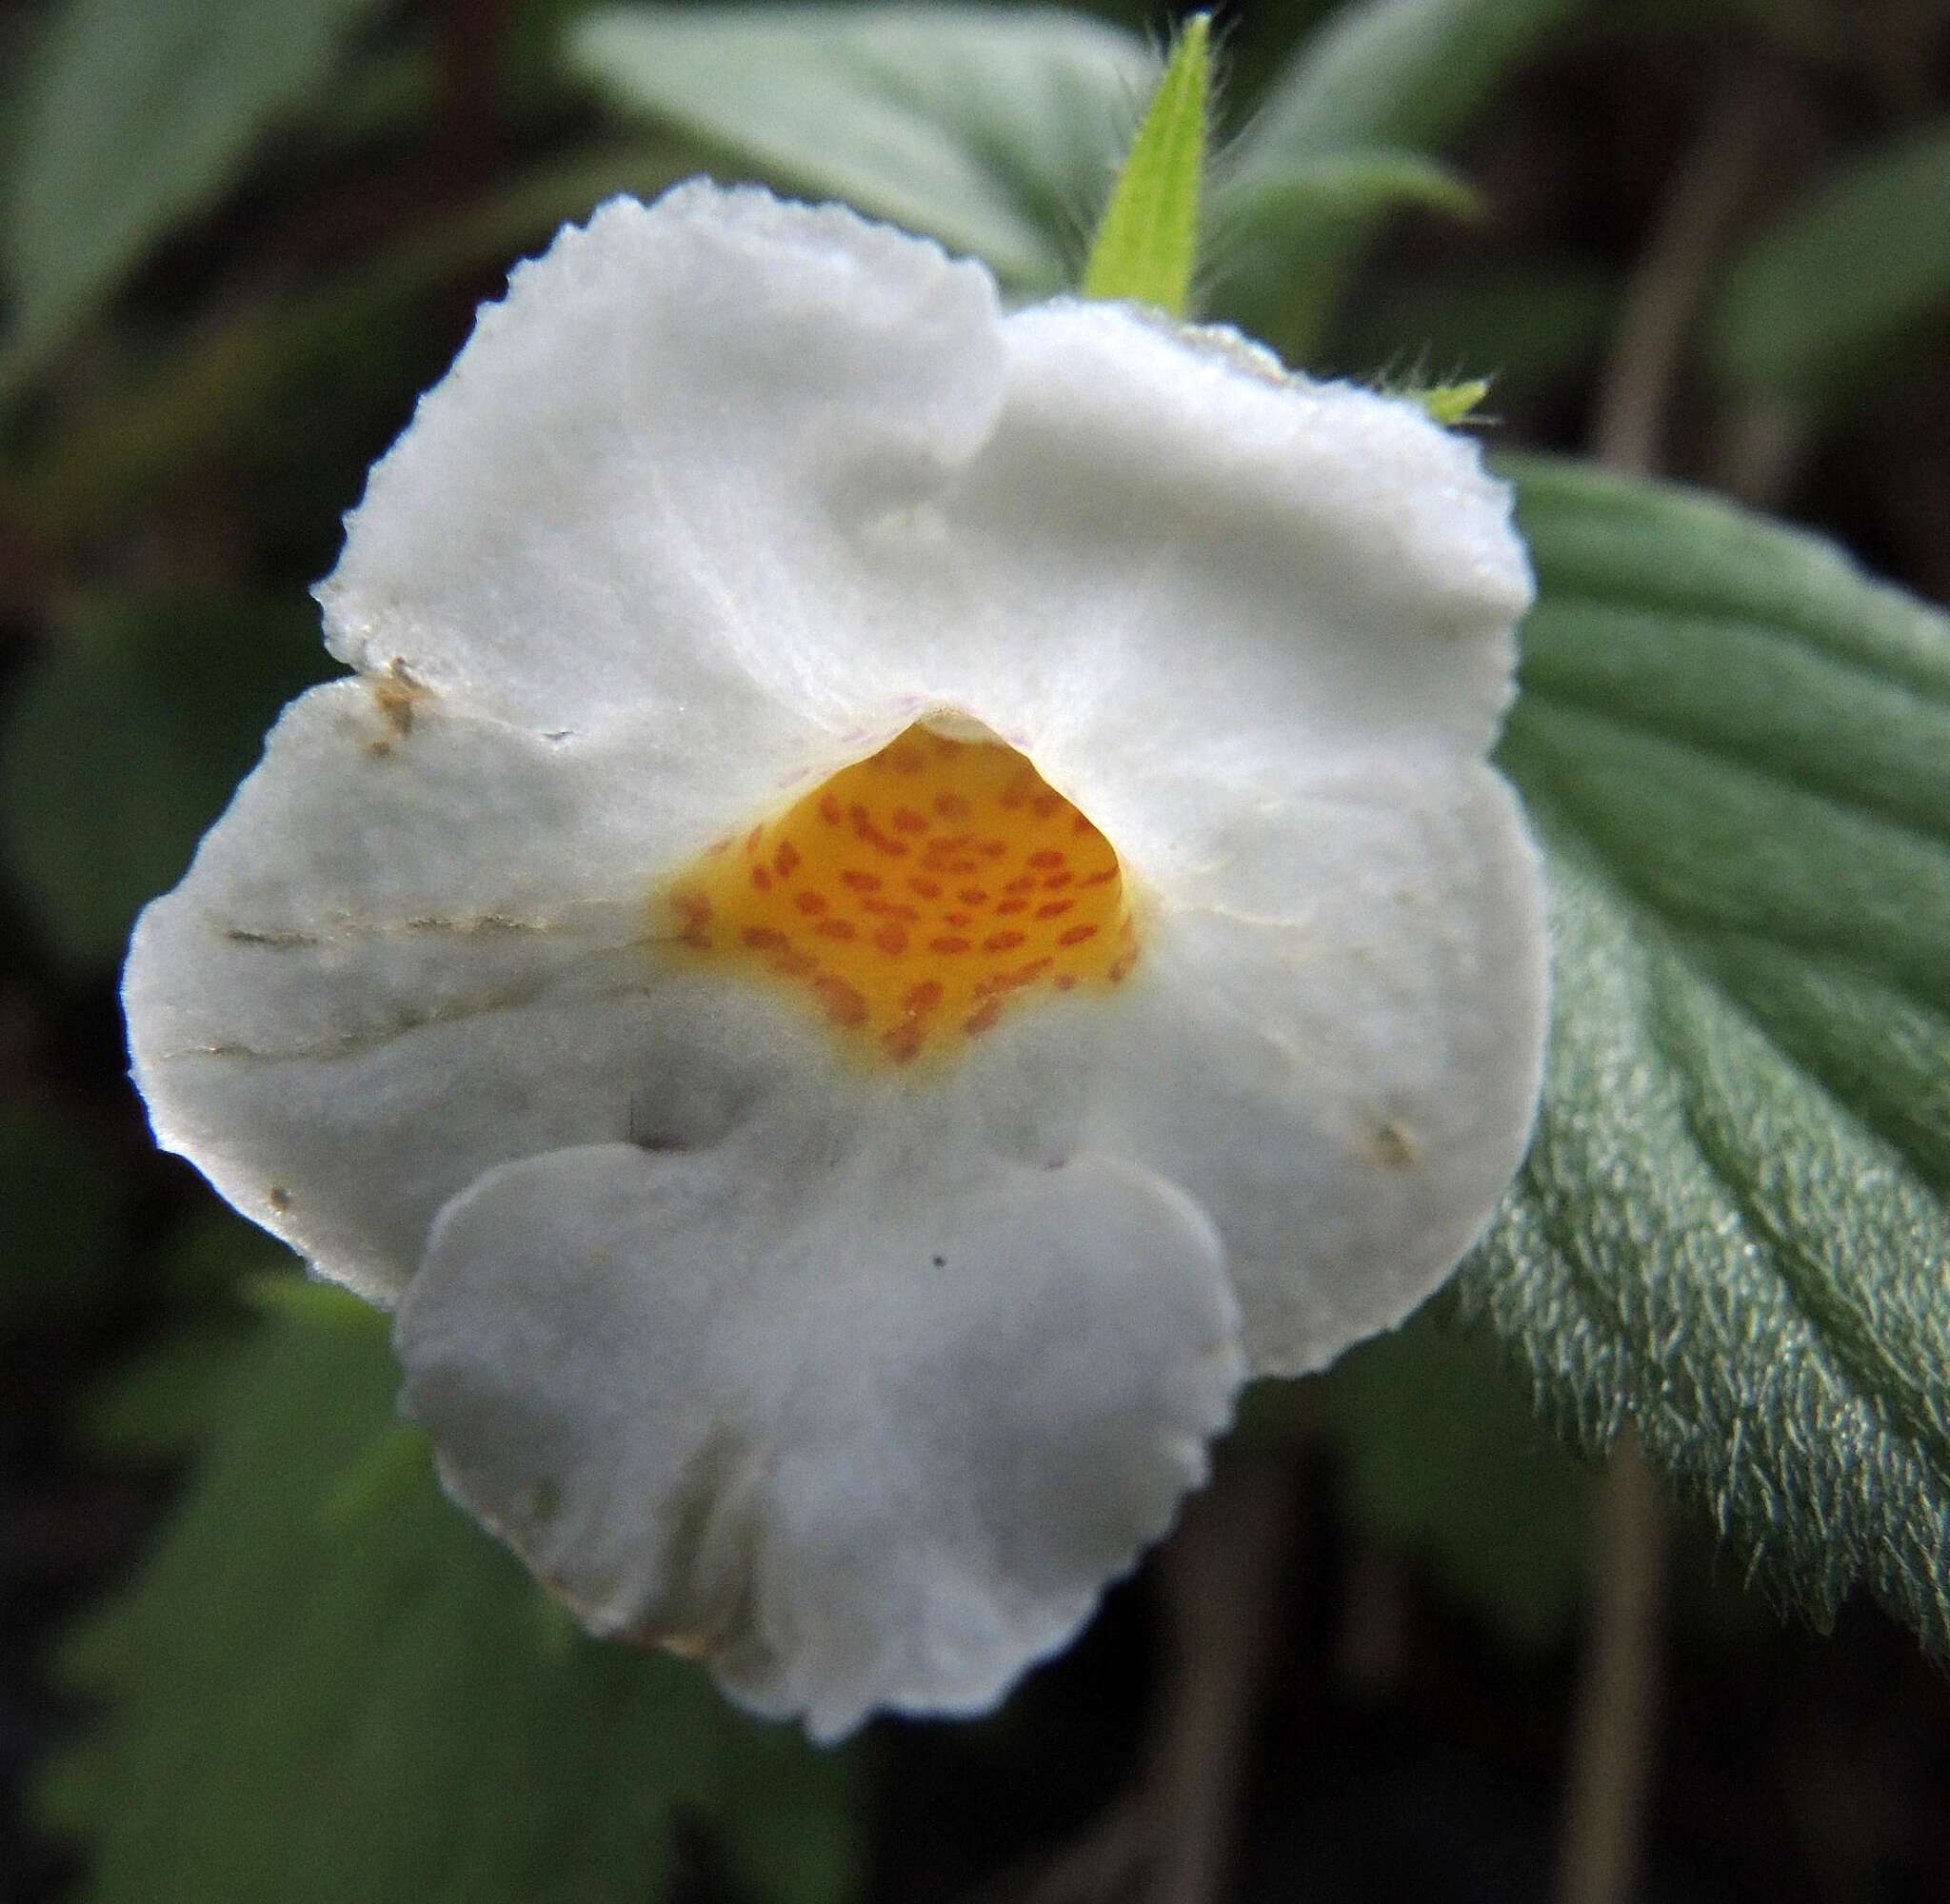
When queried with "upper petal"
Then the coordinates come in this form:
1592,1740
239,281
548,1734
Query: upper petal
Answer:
639,481
868,1434
740,462
1169,555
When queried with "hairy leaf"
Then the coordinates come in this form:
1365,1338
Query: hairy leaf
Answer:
328,1685
1732,1229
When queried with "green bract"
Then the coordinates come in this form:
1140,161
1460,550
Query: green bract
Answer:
1148,240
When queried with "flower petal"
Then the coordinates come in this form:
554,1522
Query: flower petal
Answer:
867,1434
1334,1042
636,487
1169,553
413,949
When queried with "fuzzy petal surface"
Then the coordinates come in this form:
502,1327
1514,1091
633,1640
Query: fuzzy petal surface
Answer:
1171,560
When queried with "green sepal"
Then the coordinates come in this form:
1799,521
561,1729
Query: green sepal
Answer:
1147,241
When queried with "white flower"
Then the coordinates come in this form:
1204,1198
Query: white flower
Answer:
902,896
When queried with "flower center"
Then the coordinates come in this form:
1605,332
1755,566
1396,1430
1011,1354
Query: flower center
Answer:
915,896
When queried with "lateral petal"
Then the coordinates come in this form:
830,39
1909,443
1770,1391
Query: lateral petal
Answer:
415,947
1334,1042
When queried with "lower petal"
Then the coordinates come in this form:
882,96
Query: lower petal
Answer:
863,1436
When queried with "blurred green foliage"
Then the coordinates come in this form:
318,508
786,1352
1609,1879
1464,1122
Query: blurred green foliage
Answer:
1374,83
1530,329
995,131
159,1405
1837,282
223,390
1447,1460
329,1686
131,118
127,741
57,1219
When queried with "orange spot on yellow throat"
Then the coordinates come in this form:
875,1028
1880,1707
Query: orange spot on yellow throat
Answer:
858,898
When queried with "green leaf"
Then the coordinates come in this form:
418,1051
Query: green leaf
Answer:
1732,1229
127,739
218,1254
1396,72
1259,205
317,1305
1447,1460
1817,301
1147,243
995,132
307,1706
394,1462
1393,75
1284,235
164,1403
139,113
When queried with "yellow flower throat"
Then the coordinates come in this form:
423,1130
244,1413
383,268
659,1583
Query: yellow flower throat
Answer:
914,898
